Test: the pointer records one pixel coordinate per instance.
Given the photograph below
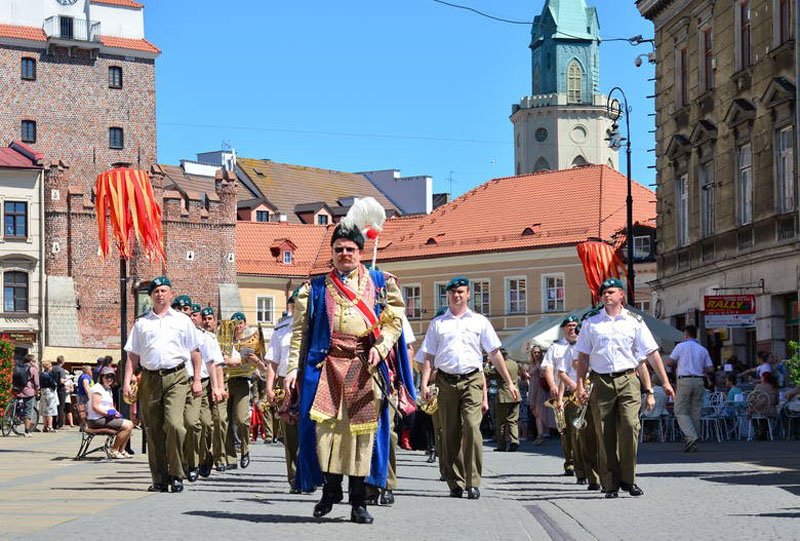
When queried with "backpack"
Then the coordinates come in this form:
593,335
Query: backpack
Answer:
21,376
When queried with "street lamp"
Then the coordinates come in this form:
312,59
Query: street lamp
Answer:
615,141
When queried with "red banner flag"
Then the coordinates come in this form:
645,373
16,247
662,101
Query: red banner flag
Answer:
600,261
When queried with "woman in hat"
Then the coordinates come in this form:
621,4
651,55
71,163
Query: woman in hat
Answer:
102,414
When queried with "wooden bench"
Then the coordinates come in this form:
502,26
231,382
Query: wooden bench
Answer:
88,434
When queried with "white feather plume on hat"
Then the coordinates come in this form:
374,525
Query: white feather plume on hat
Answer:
366,213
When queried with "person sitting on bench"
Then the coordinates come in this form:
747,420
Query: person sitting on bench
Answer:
101,413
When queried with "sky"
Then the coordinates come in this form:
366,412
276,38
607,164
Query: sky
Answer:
361,85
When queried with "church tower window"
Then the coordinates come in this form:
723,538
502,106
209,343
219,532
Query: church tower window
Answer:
574,82
541,165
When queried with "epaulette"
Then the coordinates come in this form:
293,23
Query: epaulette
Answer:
635,316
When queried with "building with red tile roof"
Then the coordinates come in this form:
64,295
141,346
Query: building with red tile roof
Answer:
515,237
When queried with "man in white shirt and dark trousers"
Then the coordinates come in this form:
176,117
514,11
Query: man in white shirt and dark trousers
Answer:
692,362
453,347
161,342
612,343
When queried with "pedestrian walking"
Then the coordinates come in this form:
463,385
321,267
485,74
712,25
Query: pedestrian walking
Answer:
692,362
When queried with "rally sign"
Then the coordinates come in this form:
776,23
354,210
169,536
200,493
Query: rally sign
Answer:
730,311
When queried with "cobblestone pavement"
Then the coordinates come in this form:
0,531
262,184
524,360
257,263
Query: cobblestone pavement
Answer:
723,491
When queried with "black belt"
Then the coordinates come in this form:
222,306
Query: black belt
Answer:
617,374
166,371
681,377
457,377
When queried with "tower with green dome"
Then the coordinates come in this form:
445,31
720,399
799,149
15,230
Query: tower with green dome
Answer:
563,122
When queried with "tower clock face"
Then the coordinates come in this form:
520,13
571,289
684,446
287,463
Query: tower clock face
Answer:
66,2
541,135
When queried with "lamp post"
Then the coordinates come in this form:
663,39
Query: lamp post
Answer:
615,141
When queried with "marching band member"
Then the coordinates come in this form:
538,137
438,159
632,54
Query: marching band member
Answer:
552,363
162,341
611,343
219,404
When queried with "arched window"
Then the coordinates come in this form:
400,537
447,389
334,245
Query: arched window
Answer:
541,165
579,161
574,82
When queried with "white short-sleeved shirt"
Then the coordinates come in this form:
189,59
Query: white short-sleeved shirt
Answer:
278,350
567,364
106,401
210,353
763,367
408,332
456,342
615,344
162,342
692,358
554,357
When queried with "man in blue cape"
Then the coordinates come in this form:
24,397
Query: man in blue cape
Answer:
346,337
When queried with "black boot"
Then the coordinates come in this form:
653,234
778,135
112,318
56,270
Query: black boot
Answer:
331,494
358,497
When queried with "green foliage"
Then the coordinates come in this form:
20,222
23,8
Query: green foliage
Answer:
793,363
6,369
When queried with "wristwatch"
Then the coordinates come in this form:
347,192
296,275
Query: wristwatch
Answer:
648,391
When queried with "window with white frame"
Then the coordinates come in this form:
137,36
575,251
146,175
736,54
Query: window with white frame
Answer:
741,21
479,299
706,176
574,82
265,309
412,295
516,295
440,296
641,246
644,306
744,184
287,257
784,170
553,292
682,217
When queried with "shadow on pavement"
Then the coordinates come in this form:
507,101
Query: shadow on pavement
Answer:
280,519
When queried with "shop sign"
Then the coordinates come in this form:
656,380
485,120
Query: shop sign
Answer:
19,337
730,311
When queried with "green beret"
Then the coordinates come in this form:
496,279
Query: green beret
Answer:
458,281
238,316
181,300
350,233
293,296
568,320
207,311
196,308
611,282
158,282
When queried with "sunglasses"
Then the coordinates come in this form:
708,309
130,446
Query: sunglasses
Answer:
345,249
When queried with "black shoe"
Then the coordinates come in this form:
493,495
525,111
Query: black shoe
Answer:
205,469
158,487
245,460
593,486
360,515
442,477
233,466
387,498
690,447
323,508
456,492
192,475
513,447
295,491
431,458
500,449
371,500
612,494
176,485
569,473
473,493
633,489
581,481
220,467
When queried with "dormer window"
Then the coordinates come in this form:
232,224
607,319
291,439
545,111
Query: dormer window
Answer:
287,257
262,215
322,219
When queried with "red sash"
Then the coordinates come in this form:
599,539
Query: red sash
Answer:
366,312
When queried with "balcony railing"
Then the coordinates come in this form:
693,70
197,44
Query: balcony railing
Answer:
70,28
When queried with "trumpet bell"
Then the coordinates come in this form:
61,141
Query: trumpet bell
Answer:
432,404
134,396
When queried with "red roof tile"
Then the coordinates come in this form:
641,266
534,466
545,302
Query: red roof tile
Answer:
128,43
254,239
123,3
551,208
20,156
22,32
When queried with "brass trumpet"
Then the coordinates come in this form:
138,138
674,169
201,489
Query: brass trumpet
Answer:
431,405
225,333
265,404
561,421
579,422
134,396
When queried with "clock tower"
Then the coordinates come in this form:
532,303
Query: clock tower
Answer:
563,122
